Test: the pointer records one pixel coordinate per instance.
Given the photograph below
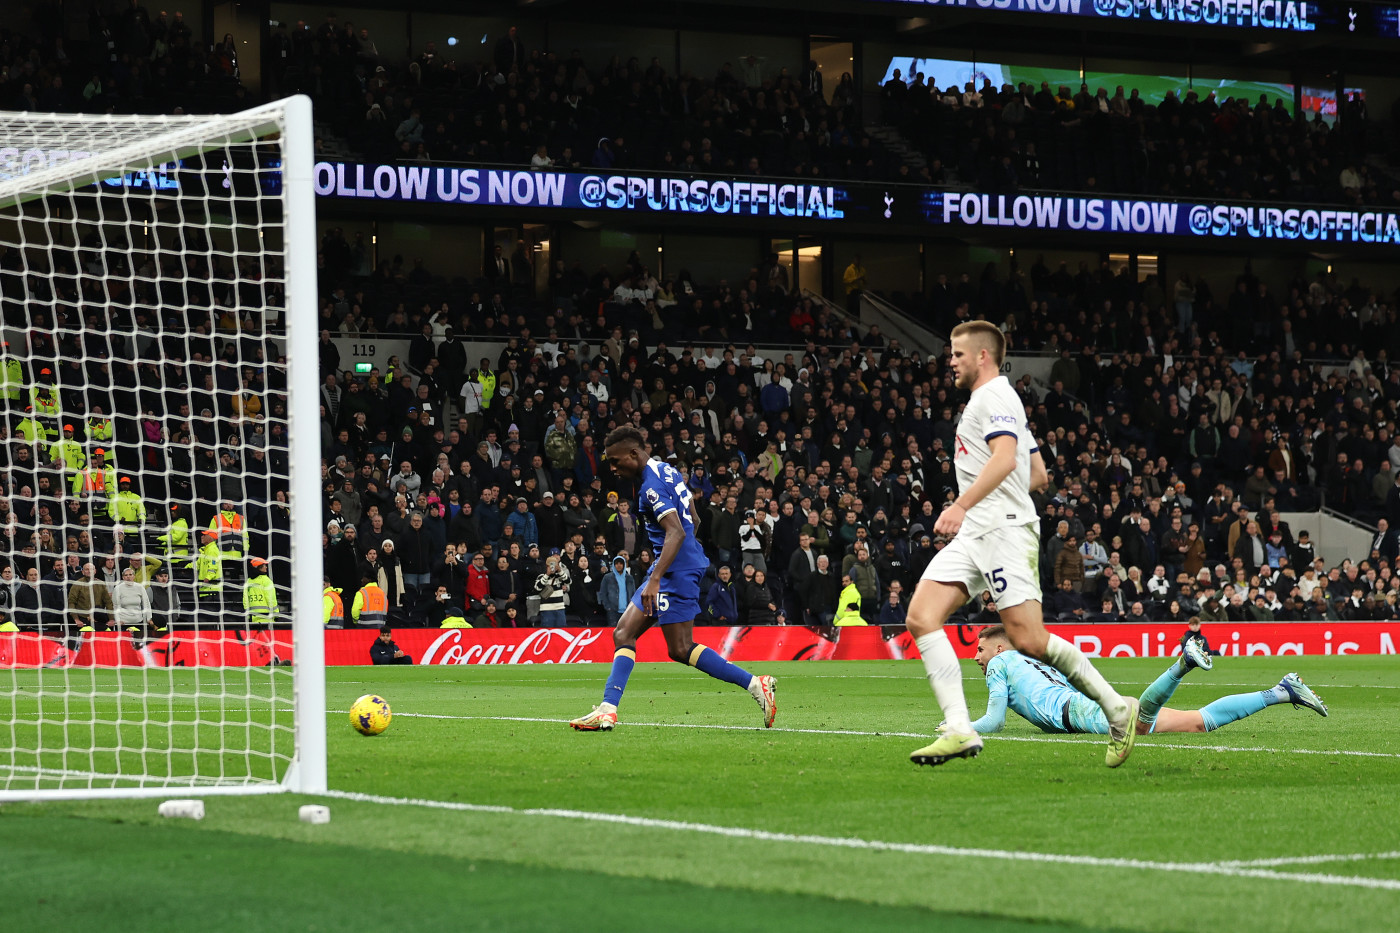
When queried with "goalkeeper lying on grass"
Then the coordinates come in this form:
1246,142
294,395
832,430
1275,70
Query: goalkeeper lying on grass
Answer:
1039,694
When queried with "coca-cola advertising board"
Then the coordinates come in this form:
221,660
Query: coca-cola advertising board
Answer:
740,643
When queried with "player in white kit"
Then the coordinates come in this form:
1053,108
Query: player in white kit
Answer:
996,550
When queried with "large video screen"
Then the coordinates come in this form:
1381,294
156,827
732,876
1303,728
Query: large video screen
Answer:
945,73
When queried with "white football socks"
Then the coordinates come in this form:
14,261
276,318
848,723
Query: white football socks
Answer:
945,676
1071,662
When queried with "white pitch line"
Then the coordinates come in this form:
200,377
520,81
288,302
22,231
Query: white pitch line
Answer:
1312,860
917,735
545,682
875,845
138,780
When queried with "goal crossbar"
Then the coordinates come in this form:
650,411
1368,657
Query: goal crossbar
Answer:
181,137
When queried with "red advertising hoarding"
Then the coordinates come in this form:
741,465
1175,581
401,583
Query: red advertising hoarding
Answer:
740,644
178,649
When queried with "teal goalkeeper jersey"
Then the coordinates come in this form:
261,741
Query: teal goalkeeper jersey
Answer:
1034,689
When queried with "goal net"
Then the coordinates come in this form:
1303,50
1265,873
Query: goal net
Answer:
160,560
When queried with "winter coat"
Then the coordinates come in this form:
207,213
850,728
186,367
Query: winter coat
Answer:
753,603
616,587
721,603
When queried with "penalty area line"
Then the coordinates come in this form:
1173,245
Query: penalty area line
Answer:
1042,739
876,845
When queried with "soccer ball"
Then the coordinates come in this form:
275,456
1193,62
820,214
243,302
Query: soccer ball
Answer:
370,715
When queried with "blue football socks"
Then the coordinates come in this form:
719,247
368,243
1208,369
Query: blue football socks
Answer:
712,663
623,662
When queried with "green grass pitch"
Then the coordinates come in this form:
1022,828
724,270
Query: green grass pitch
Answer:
479,810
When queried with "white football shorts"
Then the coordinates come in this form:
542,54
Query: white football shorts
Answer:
1004,562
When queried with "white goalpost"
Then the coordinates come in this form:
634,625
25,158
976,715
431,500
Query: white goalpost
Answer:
160,549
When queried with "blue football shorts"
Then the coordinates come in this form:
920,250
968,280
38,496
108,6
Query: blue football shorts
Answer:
679,599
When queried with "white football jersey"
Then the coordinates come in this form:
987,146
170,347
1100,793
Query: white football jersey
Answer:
994,410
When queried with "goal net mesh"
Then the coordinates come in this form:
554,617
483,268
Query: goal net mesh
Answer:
145,521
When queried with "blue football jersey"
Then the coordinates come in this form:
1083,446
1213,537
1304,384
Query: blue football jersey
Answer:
1034,689
663,490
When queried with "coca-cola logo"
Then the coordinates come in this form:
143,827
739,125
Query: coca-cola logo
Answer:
542,646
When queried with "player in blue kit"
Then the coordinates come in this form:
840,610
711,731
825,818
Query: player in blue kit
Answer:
1040,695
670,595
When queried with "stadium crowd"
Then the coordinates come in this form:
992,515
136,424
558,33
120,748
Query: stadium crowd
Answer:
1196,146
530,106
533,106
451,480
1162,450
133,61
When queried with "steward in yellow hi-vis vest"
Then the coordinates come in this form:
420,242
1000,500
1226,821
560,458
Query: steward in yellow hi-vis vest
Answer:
229,529
127,508
11,379
259,595
99,427
34,431
176,541
97,480
210,567
43,395
848,611
371,605
454,619
332,607
66,453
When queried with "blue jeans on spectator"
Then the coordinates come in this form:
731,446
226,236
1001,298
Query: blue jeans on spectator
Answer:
417,580
552,618
1184,315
